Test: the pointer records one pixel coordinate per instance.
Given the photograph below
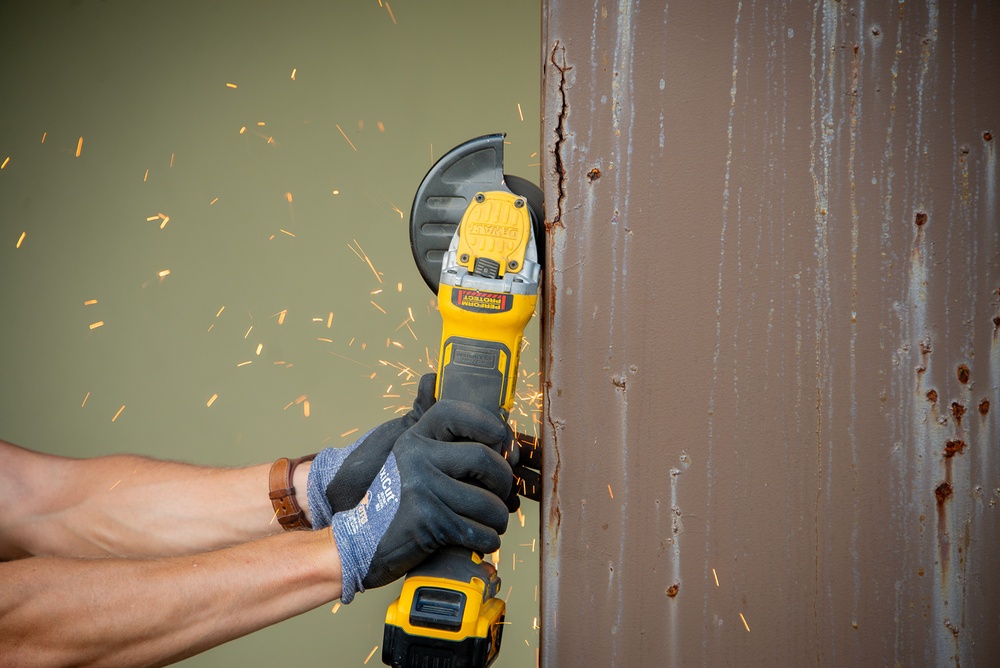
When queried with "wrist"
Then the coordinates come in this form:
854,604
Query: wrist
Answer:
300,482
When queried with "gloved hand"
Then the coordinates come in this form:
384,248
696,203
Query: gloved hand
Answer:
375,445
433,490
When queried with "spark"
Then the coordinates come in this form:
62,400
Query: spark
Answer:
166,219
213,201
381,127
243,129
281,316
212,400
171,160
260,124
367,366
6,160
79,147
231,85
716,576
336,606
745,622
376,292
376,306
150,219
114,485
286,232
245,363
145,176
320,338
329,320
20,239
335,192
288,196
399,287
273,517
305,408
349,432
248,332
260,347
210,327
610,493
397,210
348,139
220,311
90,302
164,273
294,70
408,309
302,397
85,400
118,413
389,9
364,256
44,134
519,112
95,325
520,517
370,654
533,154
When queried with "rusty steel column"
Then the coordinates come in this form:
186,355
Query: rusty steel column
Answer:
772,313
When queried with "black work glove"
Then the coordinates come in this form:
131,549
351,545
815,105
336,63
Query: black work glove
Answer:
374,446
443,483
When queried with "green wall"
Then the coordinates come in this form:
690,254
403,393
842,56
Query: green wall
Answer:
145,85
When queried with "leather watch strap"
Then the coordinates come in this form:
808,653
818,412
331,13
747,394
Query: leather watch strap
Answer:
286,508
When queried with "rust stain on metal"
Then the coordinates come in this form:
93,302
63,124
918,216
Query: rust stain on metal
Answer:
984,406
958,411
963,374
951,448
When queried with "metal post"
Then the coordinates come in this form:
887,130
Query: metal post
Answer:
771,427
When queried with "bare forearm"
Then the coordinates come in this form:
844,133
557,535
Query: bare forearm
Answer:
118,612
129,506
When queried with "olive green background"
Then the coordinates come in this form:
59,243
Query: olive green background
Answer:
144,85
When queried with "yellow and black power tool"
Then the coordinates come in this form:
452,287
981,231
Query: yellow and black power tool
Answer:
474,233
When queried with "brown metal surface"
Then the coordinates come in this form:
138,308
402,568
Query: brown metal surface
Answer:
772,334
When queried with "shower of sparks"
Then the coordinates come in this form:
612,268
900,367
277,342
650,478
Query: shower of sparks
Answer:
347,138
79,147
20,239
212,400
95,325
118,413
85,400
745,622
231,85
519,112
370,654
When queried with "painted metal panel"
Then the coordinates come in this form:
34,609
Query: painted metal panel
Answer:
772,368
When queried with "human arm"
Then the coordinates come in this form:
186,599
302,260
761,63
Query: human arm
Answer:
125,505
138,612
